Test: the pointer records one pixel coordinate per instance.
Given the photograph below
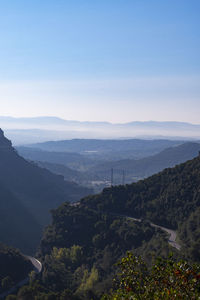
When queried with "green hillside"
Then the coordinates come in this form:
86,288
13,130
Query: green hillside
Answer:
170,198
98,226
85,240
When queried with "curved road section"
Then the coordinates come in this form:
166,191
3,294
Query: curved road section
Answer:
172,233
37,268
36,263
172,236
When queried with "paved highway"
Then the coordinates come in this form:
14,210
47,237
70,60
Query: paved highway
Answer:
172,236
35,262
172,233
37,268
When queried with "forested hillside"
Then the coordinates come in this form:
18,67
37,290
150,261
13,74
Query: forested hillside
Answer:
79,250
170,198
85,240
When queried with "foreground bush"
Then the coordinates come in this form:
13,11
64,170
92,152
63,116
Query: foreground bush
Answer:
167,279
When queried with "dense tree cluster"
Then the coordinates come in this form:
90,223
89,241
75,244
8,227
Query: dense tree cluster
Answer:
83,243
79,251
81,246
170,198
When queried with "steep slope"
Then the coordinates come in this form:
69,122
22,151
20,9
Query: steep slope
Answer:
34,190
18,226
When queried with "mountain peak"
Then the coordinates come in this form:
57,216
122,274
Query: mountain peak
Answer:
4,142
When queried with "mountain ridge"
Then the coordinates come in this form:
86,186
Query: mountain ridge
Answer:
61,120
147,166
90,129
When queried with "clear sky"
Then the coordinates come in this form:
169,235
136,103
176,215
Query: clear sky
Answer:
108,60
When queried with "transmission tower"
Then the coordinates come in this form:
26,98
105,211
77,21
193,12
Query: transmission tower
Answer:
123,177
111,179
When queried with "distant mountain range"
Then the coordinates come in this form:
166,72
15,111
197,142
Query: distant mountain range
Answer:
81,154
95,164
39,129
44,121
147,166
128,148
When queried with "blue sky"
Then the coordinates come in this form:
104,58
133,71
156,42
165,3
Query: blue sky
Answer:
115,61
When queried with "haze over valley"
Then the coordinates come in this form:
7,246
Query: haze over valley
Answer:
100,150
122,217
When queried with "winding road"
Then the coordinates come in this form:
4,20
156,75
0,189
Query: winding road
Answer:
37,266
172,233
36,263
172,236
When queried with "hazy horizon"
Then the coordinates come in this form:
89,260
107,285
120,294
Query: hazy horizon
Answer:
34,117
40,129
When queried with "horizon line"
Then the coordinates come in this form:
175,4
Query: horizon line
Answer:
86,121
